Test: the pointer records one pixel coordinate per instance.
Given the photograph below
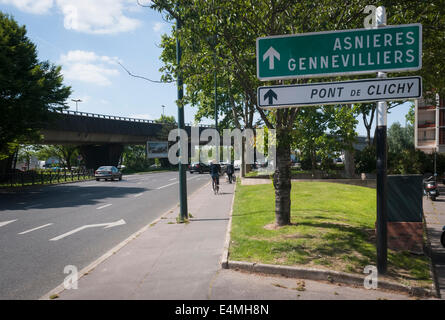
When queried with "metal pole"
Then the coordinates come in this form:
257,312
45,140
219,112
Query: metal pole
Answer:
76,101
183,212
215,83
216,104
382,217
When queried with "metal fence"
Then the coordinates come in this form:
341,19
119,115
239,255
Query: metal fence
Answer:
44,177
104,116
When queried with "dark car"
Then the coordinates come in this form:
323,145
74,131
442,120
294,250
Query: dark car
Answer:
199,167
108,172
224,167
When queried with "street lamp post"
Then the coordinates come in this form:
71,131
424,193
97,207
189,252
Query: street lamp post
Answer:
183,211
163,108
76,101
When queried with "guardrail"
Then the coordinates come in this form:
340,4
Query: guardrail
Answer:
103,116
20,179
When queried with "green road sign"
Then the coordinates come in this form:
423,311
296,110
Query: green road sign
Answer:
332,53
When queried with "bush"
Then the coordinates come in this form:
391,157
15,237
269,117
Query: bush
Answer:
365,160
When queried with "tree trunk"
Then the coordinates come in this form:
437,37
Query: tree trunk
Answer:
282,178
243,158
349,164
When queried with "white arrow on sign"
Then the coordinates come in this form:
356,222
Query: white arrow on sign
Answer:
4,223
271,53
105,225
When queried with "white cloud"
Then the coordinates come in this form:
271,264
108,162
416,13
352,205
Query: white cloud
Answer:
95,17
158,26
98,16
87,66
31,6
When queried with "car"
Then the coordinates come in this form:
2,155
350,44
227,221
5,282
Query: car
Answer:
199,167
237,164
224,167
108,172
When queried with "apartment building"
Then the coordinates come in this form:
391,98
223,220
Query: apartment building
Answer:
429,133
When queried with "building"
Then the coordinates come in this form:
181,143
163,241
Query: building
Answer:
429,133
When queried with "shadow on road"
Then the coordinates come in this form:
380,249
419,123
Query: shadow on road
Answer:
64,196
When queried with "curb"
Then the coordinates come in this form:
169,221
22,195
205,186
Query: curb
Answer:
324,275
312,273
20,188
225,255
429,252
60,288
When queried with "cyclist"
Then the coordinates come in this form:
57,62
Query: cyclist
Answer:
215,170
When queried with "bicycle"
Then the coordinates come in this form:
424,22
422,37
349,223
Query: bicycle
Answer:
215,185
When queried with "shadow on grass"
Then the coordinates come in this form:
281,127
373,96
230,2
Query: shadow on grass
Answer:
340,240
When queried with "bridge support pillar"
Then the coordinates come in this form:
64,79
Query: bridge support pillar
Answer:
101,155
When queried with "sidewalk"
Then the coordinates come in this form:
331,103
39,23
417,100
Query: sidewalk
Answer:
434,212
168,260
183,262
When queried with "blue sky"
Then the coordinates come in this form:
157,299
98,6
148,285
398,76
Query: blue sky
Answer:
87,38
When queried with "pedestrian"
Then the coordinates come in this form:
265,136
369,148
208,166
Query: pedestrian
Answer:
230,170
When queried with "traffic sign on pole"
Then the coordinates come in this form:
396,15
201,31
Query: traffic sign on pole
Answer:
344,52
365,90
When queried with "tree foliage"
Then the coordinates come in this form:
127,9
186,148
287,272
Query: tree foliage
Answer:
323,133
67,154
218,37
29,89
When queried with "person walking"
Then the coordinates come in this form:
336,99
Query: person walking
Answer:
230,170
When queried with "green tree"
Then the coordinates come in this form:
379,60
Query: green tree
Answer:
323,133
67,154
400,138
25,153
228,30
236,25
29,89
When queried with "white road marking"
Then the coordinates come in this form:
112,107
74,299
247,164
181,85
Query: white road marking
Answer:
167,185
105,225
33,206
172,179
104,206
4,223
34,229
170,184
138,195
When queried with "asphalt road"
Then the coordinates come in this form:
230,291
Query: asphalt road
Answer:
45,229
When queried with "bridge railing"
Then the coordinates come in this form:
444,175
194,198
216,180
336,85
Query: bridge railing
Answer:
48,176
104,116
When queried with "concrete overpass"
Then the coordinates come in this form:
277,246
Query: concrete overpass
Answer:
102,137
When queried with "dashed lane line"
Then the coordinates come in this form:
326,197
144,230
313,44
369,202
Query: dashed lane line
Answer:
4,223
104,206
34,229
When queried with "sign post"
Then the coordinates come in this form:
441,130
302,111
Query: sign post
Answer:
381,168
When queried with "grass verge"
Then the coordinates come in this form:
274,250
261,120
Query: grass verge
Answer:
332,228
